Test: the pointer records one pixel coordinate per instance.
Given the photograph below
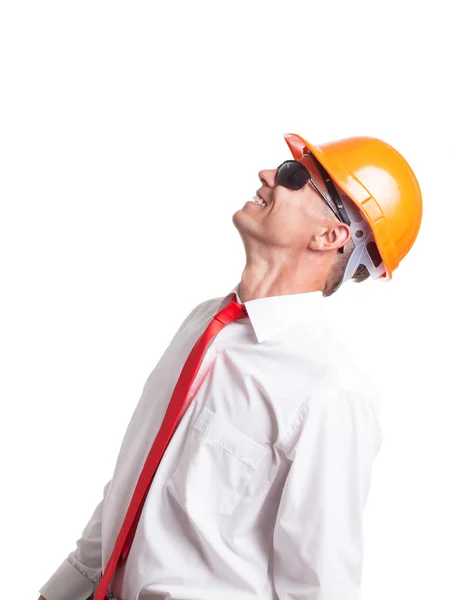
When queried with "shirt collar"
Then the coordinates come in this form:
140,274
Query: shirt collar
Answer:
274,314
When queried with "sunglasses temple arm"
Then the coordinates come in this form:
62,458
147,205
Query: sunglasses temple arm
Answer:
341,249
325,200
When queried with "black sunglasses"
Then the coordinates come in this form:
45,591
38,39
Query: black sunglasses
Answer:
293,175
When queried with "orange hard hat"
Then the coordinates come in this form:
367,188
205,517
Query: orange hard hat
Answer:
379,182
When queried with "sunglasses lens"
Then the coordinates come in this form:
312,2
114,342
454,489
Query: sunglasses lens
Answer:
292,175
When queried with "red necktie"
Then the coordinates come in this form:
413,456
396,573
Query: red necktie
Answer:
231,312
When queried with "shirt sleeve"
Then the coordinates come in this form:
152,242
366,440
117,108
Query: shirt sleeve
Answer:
318,535
75,577
80,571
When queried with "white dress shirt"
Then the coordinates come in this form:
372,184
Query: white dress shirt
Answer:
261,490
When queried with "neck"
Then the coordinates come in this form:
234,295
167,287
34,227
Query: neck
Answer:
264,282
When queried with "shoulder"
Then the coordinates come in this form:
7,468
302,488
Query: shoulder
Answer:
201,310
343,386
338,417
345,356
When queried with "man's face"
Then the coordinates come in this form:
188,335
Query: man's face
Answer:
290,218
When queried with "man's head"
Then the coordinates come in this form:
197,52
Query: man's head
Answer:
297,232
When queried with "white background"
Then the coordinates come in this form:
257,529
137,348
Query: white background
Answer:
129,134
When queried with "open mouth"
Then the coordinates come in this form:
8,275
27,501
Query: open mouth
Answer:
259,201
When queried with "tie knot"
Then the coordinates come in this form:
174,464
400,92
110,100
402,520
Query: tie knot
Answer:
231,312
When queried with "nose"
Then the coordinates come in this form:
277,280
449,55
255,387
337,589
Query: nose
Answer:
267,177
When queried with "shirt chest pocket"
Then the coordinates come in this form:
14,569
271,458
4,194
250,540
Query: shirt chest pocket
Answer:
216,465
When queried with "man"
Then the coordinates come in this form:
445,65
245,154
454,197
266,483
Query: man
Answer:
261,489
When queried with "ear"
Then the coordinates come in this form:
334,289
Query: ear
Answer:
331,237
